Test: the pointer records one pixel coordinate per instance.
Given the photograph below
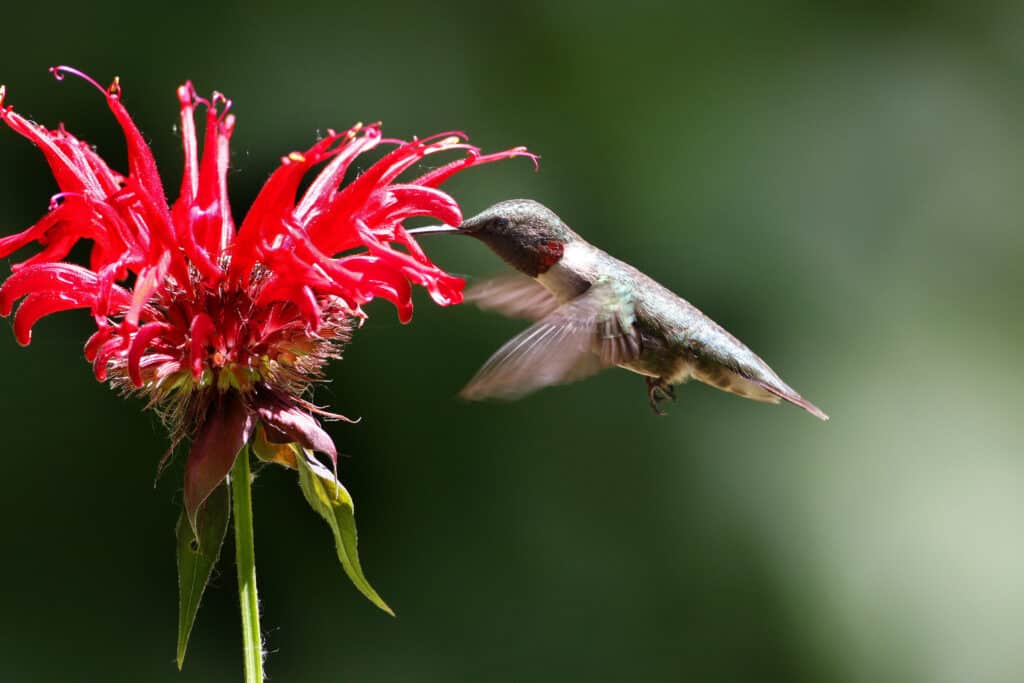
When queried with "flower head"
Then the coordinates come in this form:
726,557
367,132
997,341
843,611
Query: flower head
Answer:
223,328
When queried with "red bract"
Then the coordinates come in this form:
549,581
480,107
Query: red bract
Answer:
224,329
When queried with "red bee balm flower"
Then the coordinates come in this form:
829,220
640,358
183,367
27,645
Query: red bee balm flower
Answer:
224,329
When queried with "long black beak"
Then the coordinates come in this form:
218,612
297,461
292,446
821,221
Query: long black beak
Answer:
434,230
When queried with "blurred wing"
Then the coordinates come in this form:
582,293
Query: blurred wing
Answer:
515,296
577,339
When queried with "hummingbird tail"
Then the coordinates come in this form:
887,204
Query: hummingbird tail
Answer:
787,394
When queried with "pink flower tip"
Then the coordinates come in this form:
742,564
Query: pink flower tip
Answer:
60,71
186,93
523,152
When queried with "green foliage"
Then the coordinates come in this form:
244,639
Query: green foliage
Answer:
197,557
332,501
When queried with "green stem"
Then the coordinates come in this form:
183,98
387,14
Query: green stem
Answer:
245,559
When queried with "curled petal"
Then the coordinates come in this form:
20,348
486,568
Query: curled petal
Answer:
140,342
41,304
48,277
98,338
106,351
385,282
406,201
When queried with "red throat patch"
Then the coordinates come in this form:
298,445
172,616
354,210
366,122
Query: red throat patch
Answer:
548,254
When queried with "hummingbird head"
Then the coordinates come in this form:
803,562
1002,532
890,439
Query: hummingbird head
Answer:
526,234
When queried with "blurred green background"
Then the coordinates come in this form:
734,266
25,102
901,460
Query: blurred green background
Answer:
838,184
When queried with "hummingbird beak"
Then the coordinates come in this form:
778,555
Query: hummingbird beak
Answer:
433,230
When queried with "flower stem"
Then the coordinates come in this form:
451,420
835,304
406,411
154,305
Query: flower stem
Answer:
245,559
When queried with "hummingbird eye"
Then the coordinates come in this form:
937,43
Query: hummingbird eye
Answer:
501,223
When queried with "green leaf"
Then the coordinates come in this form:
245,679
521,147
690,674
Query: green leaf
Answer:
329,498
197,558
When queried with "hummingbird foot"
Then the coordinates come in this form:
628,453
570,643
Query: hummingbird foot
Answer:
659,390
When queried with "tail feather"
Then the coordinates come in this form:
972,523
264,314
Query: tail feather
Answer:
787,394
768,389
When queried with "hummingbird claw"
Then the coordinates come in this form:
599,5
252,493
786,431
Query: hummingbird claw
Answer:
657,391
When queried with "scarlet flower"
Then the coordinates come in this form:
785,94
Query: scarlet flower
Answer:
224,329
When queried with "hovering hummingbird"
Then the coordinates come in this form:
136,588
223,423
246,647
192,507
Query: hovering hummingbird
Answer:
593,311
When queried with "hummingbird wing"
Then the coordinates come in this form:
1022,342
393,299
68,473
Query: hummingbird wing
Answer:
577,339
514,295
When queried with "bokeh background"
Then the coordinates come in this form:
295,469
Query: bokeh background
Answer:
839,184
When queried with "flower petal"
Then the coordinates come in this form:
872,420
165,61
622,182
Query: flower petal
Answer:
48,277
201,331
41,304
140,342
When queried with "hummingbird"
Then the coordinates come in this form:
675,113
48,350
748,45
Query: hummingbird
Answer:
592,311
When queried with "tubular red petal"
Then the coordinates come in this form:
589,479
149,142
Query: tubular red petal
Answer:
193,221
56,249
226,427
274,204
201,333
45,277
306,301
69,176
145,285
101,181
384,281
117,225
110,297
140,342
422,273
211,225
306,253
227,223
440,175
41,304
190,175
141,163
98,338
405,201
104,353
12,243
352,200
202,215
325,185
